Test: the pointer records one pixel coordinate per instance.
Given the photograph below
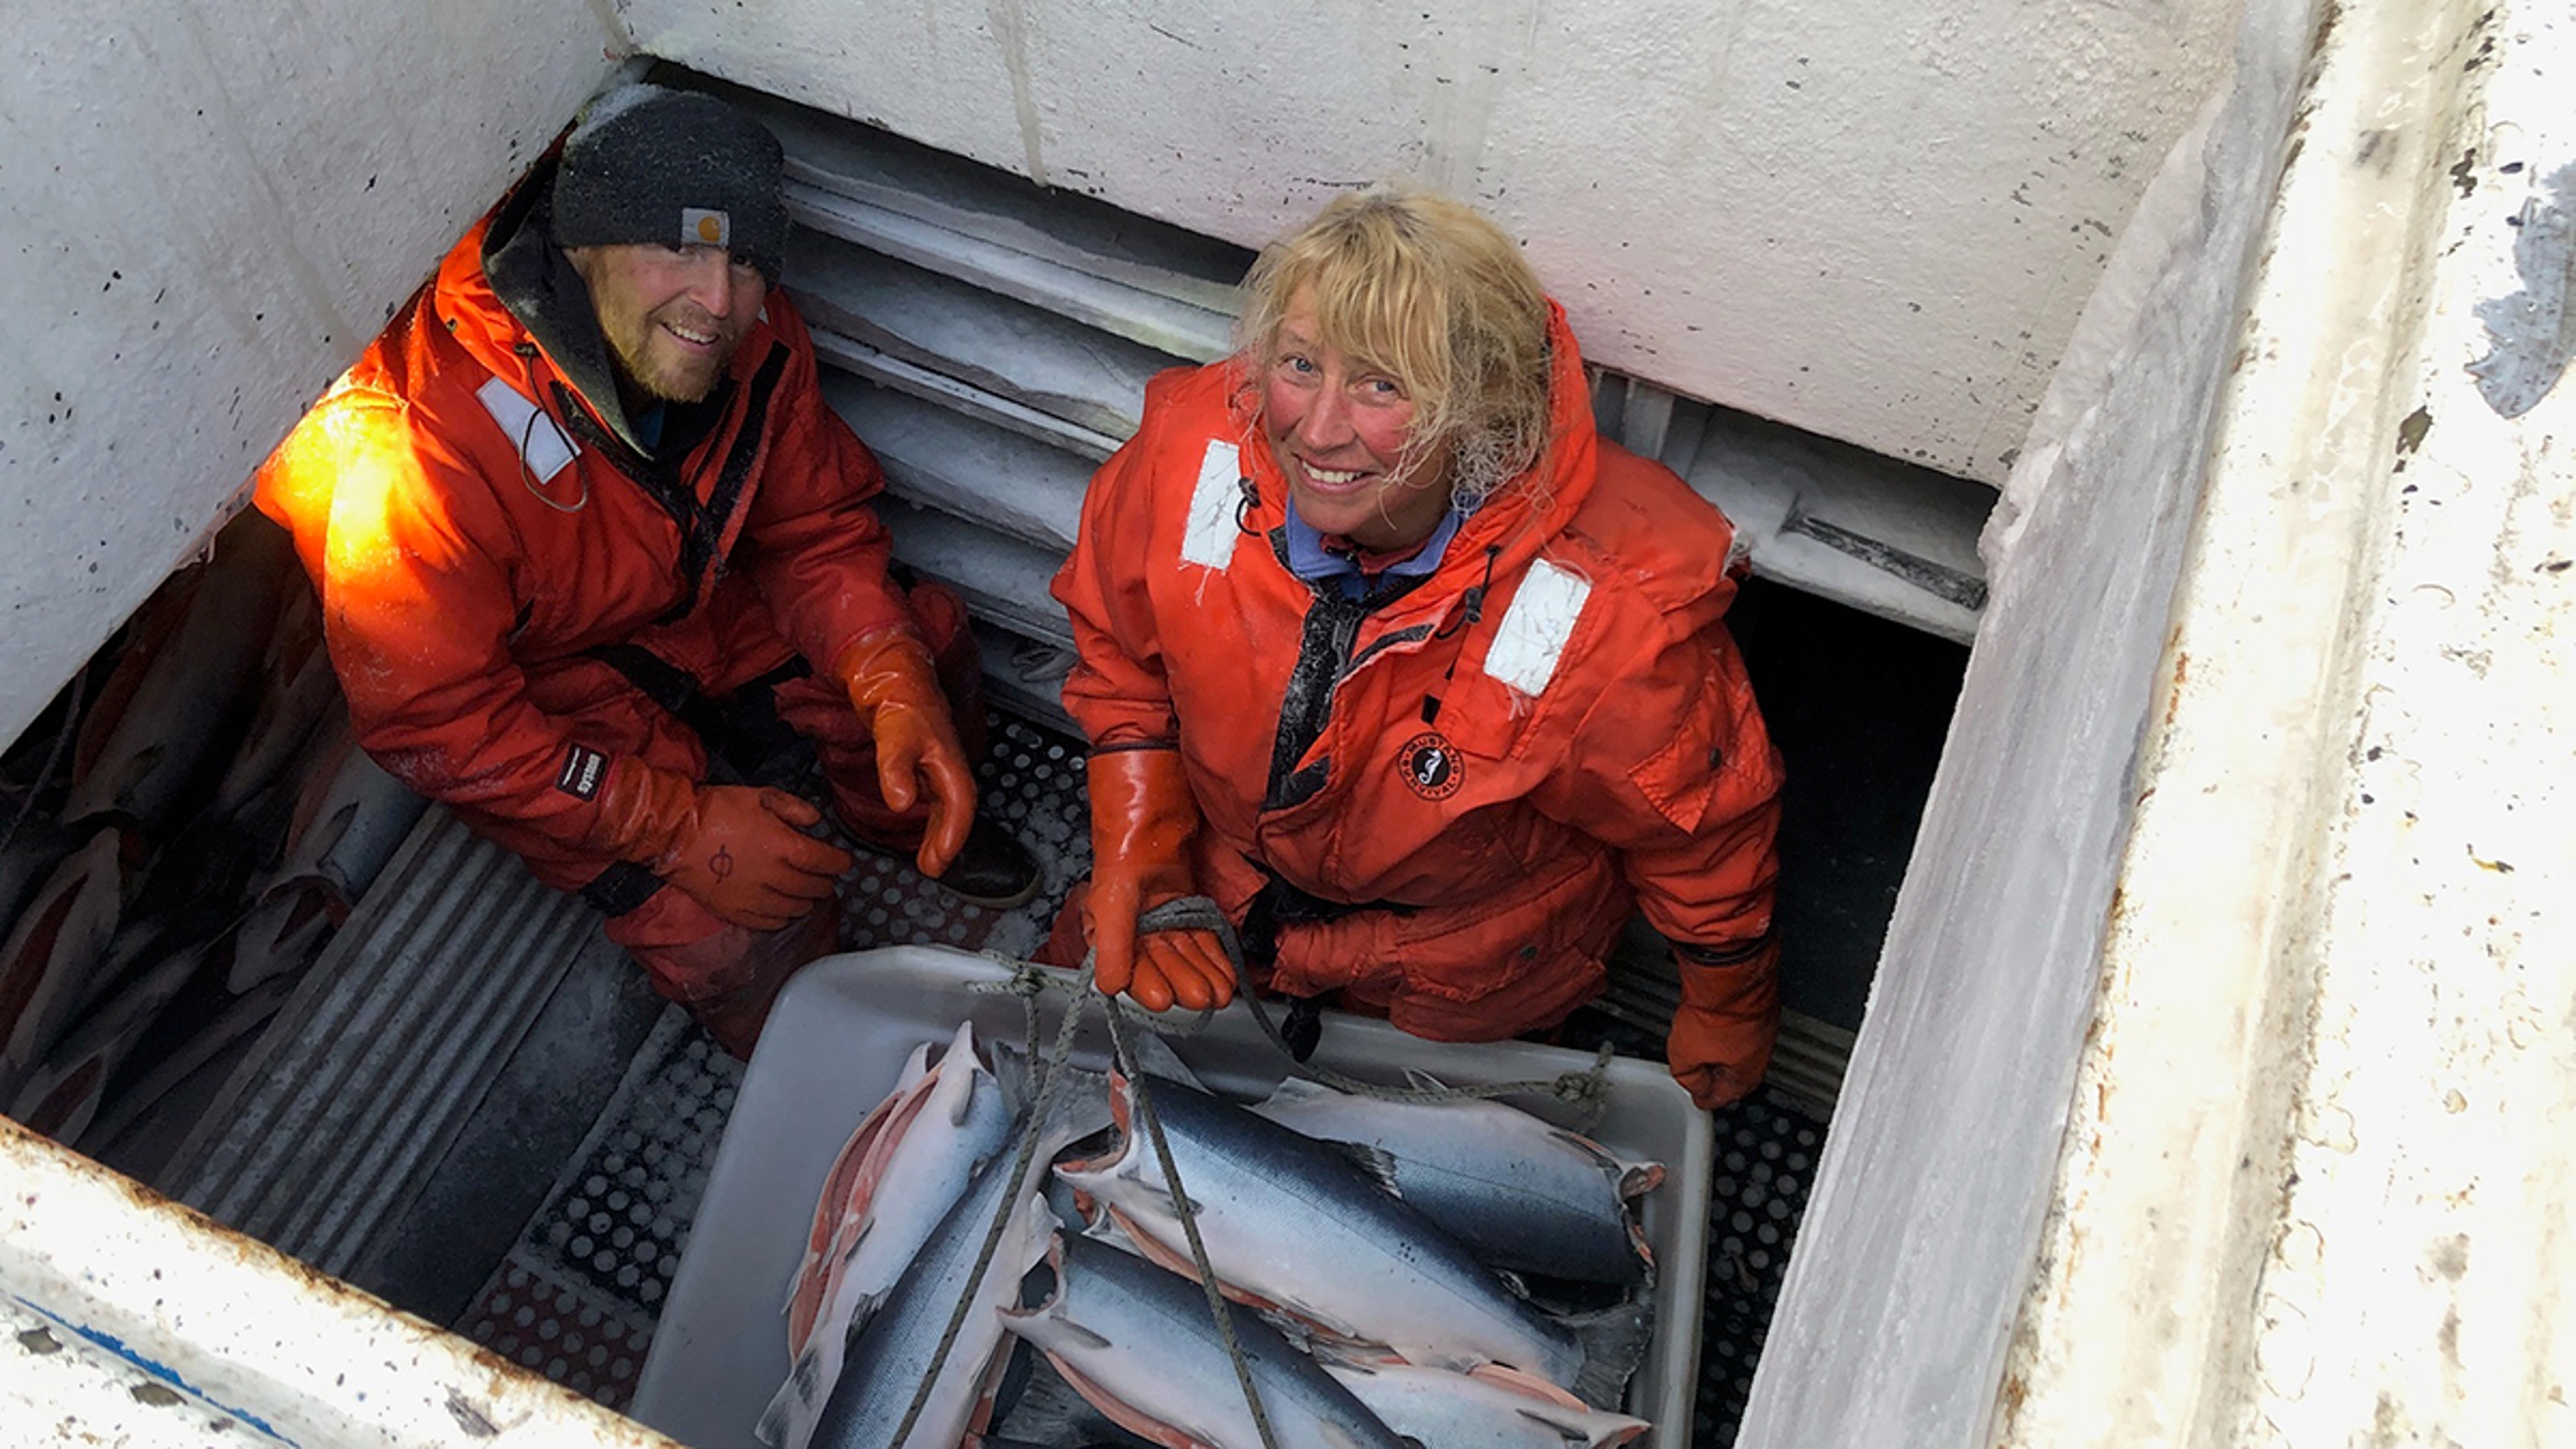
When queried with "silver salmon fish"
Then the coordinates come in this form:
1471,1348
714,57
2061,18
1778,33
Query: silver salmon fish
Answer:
1445,1410
898,1348
1140,1345
896,1179
1290,1223
1519,1192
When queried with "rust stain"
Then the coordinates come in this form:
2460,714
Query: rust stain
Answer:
2173,696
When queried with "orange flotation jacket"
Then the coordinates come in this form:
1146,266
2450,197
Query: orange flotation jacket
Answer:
478,524
1443,806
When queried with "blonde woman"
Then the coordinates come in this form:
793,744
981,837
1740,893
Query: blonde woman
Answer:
1425,684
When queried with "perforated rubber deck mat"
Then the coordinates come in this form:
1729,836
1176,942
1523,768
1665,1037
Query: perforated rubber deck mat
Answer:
577,1297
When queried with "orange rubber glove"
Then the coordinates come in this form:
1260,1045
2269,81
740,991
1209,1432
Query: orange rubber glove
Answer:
1142,818
1722,1032
742,852
895,688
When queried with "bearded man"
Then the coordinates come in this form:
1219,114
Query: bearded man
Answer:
594,555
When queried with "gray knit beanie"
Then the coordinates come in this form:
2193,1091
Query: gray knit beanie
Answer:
648,164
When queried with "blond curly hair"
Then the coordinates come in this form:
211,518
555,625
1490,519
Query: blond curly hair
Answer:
1433,294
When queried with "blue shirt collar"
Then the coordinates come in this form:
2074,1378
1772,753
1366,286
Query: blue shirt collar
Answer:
1308,559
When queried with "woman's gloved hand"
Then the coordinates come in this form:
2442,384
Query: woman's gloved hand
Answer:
1142,818
1729,1017
895,688
742,852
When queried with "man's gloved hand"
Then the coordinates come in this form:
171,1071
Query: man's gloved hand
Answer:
1142,818
895,688
742,852
1729,1017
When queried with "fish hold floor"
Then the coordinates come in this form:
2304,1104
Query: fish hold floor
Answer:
576,1296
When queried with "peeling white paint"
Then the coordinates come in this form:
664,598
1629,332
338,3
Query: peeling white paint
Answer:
2315,1181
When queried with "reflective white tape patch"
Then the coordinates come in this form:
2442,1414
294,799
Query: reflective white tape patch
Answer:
542,445
1209,540
1536,626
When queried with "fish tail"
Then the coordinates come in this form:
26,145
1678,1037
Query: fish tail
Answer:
1614,1343
775,1428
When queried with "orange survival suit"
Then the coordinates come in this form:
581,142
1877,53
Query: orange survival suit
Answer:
516,593
1441,805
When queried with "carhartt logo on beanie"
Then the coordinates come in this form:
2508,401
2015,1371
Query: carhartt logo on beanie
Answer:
649,164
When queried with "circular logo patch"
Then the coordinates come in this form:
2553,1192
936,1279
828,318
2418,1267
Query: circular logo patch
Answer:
1431,767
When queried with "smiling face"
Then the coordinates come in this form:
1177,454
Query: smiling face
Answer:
1340,429
672,315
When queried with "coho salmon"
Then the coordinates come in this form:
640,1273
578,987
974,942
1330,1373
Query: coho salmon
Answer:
1519,1192
1290,1223
898,1177
1140,1345
1445,1410
898,1348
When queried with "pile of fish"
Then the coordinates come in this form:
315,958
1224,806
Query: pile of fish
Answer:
1391,1259
179,838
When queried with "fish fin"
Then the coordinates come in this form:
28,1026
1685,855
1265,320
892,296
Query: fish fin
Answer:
1155,1058
1375,1163
957,1094
1567,1432
1422,1081
1081,1106
1600,1156
1087,1337
1514,1284
1118,1412
1101,1227
1011,1069
915,1067
1299,1333
1522,1381
863,1308
797,1390
962,1061
1337,1436
1297,1092
1614,1343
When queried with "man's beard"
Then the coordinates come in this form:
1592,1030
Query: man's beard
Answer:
681,382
